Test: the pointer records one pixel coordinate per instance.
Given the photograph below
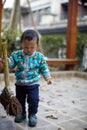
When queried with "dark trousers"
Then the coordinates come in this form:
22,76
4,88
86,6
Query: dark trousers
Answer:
31,94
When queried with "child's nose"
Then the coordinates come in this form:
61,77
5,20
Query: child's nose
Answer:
29,49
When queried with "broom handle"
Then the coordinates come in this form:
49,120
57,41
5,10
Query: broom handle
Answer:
6,68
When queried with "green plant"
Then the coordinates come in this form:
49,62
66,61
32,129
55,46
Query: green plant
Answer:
11,37
51,45
80,43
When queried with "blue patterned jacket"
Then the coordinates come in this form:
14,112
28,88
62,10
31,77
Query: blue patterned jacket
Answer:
29,68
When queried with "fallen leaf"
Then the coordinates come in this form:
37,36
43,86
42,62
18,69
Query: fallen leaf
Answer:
2,116
51,116
59,129
60,95
73,102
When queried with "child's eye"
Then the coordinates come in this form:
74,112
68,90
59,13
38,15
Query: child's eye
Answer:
29,48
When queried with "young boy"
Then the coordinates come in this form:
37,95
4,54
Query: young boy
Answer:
29,65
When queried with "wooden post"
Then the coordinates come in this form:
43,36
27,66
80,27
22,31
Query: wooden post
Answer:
0,16
71,31
0,27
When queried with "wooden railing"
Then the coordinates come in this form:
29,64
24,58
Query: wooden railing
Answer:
70,63
61,61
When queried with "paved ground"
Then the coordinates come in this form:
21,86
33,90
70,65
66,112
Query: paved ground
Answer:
63,105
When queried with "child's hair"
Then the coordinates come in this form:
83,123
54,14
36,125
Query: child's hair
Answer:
29,35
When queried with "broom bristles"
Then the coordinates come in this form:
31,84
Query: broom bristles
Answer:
10,103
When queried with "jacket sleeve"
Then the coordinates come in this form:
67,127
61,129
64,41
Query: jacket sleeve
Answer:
12,62
44,70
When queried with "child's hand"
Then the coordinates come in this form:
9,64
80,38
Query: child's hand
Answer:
49,81
2,60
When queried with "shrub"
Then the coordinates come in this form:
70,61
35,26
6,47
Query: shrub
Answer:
51,45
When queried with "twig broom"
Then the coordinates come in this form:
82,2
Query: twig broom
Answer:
7,99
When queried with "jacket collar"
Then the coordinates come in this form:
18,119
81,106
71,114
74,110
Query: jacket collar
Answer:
28,55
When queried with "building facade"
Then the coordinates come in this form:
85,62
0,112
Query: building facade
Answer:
51,15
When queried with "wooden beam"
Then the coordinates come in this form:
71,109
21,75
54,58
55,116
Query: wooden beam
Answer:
56,61
71,29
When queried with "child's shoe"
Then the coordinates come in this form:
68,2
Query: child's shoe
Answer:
32,120
20,118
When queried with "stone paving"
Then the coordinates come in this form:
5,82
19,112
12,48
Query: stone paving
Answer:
63,105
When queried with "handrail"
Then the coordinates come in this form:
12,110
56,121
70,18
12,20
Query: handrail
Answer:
56,61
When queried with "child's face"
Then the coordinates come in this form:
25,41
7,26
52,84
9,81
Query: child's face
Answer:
29,46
